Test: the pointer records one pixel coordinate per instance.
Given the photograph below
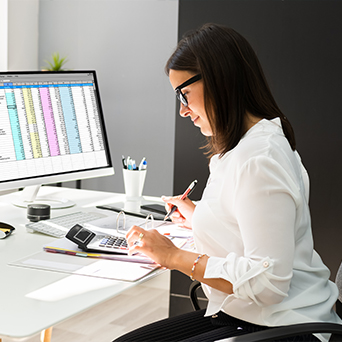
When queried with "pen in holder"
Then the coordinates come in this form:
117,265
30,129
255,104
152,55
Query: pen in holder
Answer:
134,181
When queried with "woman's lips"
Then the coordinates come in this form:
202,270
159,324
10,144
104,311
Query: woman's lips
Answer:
194,119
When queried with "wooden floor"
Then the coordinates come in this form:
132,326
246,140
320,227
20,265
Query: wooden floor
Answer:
132,309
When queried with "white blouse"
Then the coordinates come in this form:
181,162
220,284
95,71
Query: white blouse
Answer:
254,222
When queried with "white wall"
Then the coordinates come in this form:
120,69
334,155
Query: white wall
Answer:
127,42
23,34
3,34
18,36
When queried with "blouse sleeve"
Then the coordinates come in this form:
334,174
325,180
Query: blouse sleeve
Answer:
266,201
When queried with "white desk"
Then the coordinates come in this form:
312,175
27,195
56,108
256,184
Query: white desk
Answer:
22,316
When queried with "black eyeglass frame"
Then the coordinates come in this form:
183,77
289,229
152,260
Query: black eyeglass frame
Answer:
181,97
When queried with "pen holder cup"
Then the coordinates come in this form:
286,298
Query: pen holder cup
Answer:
134,181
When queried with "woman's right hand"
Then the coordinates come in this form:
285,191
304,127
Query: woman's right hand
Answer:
184,212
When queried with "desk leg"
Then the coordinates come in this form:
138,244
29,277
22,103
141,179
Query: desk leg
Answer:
45,335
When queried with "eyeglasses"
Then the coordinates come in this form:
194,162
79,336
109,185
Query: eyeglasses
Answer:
181,97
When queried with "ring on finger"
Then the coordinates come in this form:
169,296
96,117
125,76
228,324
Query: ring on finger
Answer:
141,235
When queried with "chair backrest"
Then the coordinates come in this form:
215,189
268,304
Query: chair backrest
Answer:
338,282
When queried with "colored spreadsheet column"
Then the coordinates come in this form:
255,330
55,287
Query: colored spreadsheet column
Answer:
15,125
31,120
50,124
70,119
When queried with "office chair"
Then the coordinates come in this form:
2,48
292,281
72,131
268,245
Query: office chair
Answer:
275,333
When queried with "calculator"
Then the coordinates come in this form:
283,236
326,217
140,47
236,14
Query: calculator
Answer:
89,241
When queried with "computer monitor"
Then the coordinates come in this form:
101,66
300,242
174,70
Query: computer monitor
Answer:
51,130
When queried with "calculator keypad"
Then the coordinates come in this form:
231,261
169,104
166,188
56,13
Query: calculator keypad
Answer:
114,242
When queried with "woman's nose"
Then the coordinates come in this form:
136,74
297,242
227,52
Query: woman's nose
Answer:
184,110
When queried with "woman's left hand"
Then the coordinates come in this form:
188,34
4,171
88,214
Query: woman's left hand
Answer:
151,243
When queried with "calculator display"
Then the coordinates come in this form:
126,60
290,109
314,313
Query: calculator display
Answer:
82,235
79,235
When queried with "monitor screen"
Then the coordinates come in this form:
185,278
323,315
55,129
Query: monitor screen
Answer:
51,128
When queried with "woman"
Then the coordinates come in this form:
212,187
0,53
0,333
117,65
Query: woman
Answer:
254,246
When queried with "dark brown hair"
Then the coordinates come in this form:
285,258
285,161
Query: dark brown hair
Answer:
233,81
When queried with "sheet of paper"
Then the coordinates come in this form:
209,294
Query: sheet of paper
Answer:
47,264
109,269
171,229
116,270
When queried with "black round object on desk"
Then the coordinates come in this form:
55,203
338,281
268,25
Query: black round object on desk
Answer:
37,212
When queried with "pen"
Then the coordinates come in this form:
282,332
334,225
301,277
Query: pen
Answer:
185,194
142,163
129,163
124,164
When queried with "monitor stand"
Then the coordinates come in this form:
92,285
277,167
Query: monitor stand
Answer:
29,196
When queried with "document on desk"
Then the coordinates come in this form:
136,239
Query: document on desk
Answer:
109,269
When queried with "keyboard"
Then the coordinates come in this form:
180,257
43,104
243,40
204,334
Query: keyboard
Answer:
59,226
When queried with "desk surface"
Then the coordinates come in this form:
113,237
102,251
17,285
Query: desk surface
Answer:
22,316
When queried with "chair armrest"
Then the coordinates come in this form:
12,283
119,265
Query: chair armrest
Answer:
288,331
193,296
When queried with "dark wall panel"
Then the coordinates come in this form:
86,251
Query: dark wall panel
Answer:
299,45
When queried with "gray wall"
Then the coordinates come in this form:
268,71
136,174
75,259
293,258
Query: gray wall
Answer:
127,42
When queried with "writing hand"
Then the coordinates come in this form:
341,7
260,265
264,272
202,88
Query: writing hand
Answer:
184,212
